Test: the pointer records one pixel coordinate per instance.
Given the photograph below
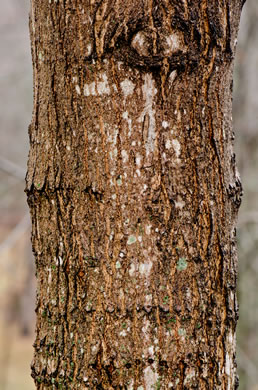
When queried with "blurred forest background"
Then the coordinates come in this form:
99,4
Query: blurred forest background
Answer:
17,282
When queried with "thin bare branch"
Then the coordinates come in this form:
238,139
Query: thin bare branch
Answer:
12,168
15,234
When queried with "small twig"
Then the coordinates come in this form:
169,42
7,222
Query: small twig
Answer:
12,168
15,234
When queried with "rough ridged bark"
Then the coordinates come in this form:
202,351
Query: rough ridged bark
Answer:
133,193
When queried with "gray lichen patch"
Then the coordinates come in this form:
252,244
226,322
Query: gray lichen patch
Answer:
181,264
131,240
118,265
119,181
181,332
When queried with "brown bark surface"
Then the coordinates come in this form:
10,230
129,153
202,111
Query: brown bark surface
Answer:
134,193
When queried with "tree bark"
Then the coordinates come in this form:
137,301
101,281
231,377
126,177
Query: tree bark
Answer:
133,193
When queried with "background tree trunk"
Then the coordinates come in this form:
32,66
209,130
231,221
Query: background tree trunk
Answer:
133,193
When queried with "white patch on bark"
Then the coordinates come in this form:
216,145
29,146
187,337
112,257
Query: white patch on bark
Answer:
172,76
127,87
114,87
165,124
124,156
78,89
180,204
94,349
148,302
139,38
189,374
139,43
168,144
101,87
138,160
90,89
51,366
130,385
146,334
188,293
145,328
145,268
132,269
89,49
112,136
148,229
173,43
177,147
150,377
126,117
149,91
119,65
205,371
229,363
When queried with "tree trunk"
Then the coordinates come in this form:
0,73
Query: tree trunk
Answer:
134,193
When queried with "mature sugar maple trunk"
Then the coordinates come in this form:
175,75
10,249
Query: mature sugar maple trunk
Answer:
134,193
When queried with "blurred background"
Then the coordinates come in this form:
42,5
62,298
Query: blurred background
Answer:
17,282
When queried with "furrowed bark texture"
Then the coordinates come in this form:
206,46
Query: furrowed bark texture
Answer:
134,193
